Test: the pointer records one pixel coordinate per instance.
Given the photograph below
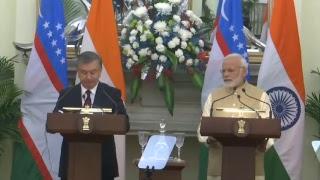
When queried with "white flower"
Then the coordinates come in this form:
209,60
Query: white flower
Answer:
175,1
160,48
140,28
185,34
130,61
135,57
163,58
148,23
149,52
189,62
189,13
176,28
127,49
172,44
133,32
128,18
185,24
160,26
176,40
135,45
176,18
184,45
139,23
181,59
193,30
159,40
144,72
128,65
159,70
154,56
123,31
201,43
163,8
132,39
143,52
178,53
197,21
140,11
143,38
165,33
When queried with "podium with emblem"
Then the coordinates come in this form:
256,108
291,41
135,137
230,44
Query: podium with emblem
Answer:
239,138
85,133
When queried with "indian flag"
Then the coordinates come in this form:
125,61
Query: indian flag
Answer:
281,76
101,36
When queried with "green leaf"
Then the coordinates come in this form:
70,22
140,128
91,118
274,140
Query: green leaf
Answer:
160,81
169,95
9,102
133,23
172,57
142,59
313,107
134,88
197,79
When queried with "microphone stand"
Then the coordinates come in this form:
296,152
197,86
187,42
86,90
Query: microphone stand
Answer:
238,96
270,109
211,108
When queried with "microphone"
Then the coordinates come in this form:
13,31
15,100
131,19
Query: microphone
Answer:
58,109
270,112
211,108
238,96
113,102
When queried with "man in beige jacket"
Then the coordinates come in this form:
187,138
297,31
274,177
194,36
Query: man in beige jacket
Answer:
234,71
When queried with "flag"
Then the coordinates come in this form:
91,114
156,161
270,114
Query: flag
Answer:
101,37
229,38
46,74
215,23
281,77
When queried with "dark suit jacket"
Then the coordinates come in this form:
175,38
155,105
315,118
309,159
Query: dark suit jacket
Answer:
105,97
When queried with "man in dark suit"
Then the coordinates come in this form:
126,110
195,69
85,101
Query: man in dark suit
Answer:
93,93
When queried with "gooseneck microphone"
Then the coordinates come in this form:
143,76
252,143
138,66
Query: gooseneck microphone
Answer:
238,96
211,108
112,100
60,98
270,109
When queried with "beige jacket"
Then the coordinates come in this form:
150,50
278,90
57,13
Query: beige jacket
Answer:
232,102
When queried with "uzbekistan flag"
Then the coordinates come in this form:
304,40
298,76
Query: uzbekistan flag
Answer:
46,74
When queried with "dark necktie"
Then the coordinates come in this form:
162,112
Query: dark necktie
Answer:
87,102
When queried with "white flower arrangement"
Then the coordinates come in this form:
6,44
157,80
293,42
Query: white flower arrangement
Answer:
160,37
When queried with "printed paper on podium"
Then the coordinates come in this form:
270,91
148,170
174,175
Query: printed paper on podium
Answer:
157,152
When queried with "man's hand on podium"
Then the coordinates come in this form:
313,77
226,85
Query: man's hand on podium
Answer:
213,142
262,146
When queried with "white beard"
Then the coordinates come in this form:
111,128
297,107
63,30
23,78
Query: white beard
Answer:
234,83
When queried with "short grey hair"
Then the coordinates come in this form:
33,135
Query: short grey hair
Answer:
243,61
88,57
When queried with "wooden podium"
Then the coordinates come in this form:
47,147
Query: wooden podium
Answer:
172,171
239,138
85,134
